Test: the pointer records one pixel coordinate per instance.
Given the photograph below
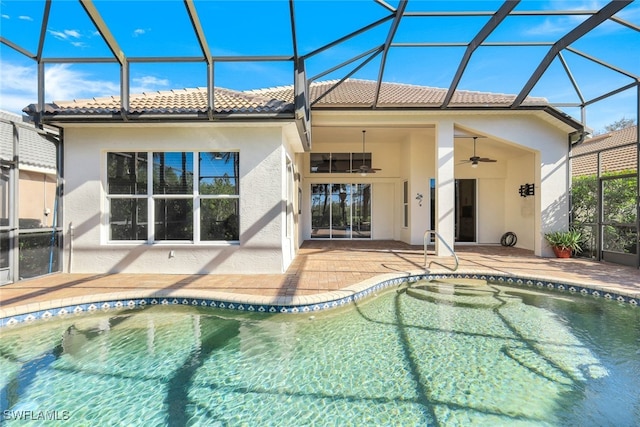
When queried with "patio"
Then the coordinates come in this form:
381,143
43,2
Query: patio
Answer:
321,270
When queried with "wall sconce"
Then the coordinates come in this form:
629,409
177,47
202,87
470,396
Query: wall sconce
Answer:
527,190
419,198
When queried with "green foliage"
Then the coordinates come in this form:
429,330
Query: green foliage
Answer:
584,193
35,254
618,209
623,123
568,239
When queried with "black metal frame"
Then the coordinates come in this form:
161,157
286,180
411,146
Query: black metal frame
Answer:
301,82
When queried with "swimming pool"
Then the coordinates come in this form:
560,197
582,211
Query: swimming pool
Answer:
437,353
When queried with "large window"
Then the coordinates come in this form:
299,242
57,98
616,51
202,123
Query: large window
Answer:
188,200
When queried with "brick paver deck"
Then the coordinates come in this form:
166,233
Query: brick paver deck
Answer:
320,269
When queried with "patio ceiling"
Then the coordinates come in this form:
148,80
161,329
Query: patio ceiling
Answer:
315,40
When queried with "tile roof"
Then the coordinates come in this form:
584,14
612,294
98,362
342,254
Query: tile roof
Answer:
615,155
351,93
35,152
190,100
361,93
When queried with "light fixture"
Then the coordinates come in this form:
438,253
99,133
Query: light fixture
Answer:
527,190
474,164
364,168
217,156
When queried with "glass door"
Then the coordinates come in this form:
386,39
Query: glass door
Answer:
320,211
361,207
6,230
341,211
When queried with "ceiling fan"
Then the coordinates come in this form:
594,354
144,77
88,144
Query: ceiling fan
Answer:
475,159
364,169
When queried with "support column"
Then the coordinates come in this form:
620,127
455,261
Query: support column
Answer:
445,187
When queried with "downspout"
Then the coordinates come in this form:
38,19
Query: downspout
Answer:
57,206
54,227
14,223
580,135
70,245
638,173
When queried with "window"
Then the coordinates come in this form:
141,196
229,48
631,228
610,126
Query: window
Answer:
188,200
338,162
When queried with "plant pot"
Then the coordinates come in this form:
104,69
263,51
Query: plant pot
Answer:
561,252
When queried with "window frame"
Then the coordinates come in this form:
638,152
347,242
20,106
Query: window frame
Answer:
355,161
405,204
194,196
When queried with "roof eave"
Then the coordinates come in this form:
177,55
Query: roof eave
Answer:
159,117
554,112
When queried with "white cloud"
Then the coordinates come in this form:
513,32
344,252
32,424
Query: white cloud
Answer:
6,16
138,32
65,83
66,34
25,18
72,33
58,34
561,25
148,84
18,85
549,27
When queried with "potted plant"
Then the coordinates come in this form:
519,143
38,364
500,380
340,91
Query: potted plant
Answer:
564,243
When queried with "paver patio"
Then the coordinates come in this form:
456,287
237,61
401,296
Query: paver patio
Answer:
321,269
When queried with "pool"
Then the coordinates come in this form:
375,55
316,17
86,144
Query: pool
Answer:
462,352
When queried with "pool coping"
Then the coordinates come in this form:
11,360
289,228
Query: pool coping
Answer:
137,298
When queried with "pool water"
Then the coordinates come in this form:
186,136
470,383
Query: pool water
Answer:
437,353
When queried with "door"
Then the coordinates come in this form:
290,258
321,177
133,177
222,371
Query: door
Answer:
341,211
7,220
465,210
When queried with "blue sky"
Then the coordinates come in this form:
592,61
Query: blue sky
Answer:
162,28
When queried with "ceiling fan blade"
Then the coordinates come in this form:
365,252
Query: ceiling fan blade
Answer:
363,169
485,159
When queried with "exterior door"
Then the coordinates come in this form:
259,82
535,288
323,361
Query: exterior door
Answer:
7,223
465,210
341,211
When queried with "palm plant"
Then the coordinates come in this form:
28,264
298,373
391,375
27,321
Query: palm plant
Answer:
566,240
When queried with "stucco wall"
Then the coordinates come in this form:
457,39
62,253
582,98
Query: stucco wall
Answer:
549,148
261,200
520,211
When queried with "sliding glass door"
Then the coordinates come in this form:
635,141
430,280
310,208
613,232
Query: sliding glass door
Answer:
341,211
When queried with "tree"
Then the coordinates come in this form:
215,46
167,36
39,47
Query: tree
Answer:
623,123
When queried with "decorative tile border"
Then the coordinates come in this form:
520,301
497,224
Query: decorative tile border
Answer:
121,304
